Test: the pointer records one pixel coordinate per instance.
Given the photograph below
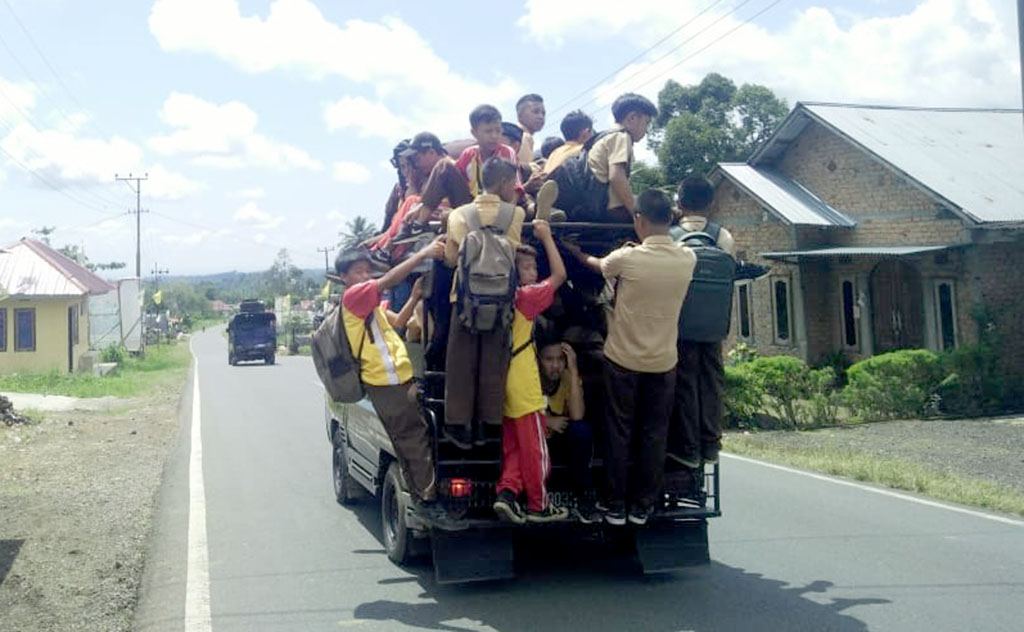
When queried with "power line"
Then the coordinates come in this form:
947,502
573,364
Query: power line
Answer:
326,250
55,187
669,53
644,52
138,216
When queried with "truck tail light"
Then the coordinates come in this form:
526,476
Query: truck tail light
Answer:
460,487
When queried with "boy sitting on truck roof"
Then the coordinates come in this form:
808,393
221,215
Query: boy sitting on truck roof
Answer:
525,463
385,369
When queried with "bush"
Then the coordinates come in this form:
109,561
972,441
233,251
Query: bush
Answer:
741,353
782,387
897,385
744,397
112,353
974,383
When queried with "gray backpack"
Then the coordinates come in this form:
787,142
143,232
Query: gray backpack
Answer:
707,310
487,272
338,368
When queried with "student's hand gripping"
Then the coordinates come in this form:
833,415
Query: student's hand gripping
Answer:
570,359
542,231
557,424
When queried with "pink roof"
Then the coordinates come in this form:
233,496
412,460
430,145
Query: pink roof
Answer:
31,268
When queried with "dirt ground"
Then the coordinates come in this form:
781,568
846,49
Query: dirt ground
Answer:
77,492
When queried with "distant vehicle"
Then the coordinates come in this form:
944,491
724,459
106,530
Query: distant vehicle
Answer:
252,334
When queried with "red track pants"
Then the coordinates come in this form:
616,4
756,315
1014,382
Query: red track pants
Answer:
525,460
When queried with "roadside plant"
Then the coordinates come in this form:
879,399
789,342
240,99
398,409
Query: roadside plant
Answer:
895,385
112,353
740,353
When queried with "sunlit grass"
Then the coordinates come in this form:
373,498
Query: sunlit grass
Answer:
137,376
887,472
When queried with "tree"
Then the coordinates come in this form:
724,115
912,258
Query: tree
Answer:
44,233
77,254
644,176
711,122
283,276
356,231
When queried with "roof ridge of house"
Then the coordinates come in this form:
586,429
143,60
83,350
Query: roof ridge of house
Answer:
910,108
68,267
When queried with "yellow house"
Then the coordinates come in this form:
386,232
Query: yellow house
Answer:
44,308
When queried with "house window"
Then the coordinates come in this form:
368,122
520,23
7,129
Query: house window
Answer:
25,329
745,314
783,321
849,313
3,329
945,310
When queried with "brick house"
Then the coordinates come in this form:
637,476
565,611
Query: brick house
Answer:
886,228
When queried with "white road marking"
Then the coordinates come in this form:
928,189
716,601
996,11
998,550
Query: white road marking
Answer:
877,490
197,575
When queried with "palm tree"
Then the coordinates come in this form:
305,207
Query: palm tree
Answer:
356,231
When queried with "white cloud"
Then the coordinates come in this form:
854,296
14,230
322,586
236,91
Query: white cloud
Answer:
309,224
250,213
259,238
19,98
164,184
346,171
254,193
818,55
223,136
389,56
335,215
195,238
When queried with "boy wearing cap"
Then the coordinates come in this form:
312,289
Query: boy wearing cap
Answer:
385,368
445,185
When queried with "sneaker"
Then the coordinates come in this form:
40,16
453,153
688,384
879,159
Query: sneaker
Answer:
639,515
507,507
460,436
479,435
551,513
615,517
557,217
546,197
586,512
689,458
410,232
709,453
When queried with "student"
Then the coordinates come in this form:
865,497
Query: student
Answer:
611,156
531,114
476,364
568,431
525,463
550,144
386,371
442,183
512,135
650,281
700,377
577,128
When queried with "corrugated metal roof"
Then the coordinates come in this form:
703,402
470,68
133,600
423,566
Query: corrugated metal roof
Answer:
790,201
972,159
884,252
31,268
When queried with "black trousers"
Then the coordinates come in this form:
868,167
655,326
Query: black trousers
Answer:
636,416
698,410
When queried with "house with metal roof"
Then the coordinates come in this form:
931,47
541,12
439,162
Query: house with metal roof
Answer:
886,228
44,308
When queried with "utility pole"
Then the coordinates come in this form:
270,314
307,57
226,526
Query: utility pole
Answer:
138,215
328,249
1020,43
156,272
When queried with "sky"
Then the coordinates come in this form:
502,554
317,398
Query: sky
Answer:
268,124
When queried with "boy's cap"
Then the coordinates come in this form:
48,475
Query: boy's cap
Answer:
424,141
347,257
512,130
400,151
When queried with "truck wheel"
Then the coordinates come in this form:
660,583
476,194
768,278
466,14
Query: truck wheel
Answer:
232,361
346,490
392,511
269,359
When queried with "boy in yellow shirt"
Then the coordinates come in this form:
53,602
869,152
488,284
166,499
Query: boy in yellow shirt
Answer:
525,460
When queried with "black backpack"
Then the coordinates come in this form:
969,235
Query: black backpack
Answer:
581,195
707,309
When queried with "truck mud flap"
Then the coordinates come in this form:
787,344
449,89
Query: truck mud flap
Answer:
473,555
669,545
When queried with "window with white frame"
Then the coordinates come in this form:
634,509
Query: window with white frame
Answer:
782,310
945,314
848,312
744,311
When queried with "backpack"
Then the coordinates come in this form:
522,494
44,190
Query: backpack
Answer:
707,309
487,272
338,369
580,194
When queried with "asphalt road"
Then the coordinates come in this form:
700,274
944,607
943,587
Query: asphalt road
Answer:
792,552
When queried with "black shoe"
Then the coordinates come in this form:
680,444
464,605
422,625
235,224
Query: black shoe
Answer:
709,453
460,436
435,515
586,512
551,513
411,232
479,435
639,515
614,514
507,507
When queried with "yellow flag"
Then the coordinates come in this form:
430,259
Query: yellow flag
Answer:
326,292
158,297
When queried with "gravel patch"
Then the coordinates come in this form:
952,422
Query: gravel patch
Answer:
989,449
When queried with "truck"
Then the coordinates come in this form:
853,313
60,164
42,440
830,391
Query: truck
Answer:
479,546
252,334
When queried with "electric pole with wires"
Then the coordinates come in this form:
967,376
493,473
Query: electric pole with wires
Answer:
326,250
138,215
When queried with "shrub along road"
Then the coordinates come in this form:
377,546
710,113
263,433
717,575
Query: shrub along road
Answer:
792,552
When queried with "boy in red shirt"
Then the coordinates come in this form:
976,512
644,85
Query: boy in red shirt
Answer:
525,460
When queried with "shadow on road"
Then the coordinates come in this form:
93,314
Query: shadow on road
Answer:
588,587
8,551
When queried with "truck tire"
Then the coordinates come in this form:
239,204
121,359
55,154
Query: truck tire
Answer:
269,359
346,490
231,360
397,538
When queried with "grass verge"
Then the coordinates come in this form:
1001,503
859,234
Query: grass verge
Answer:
887,472
162,364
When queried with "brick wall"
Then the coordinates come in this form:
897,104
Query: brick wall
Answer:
993,280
